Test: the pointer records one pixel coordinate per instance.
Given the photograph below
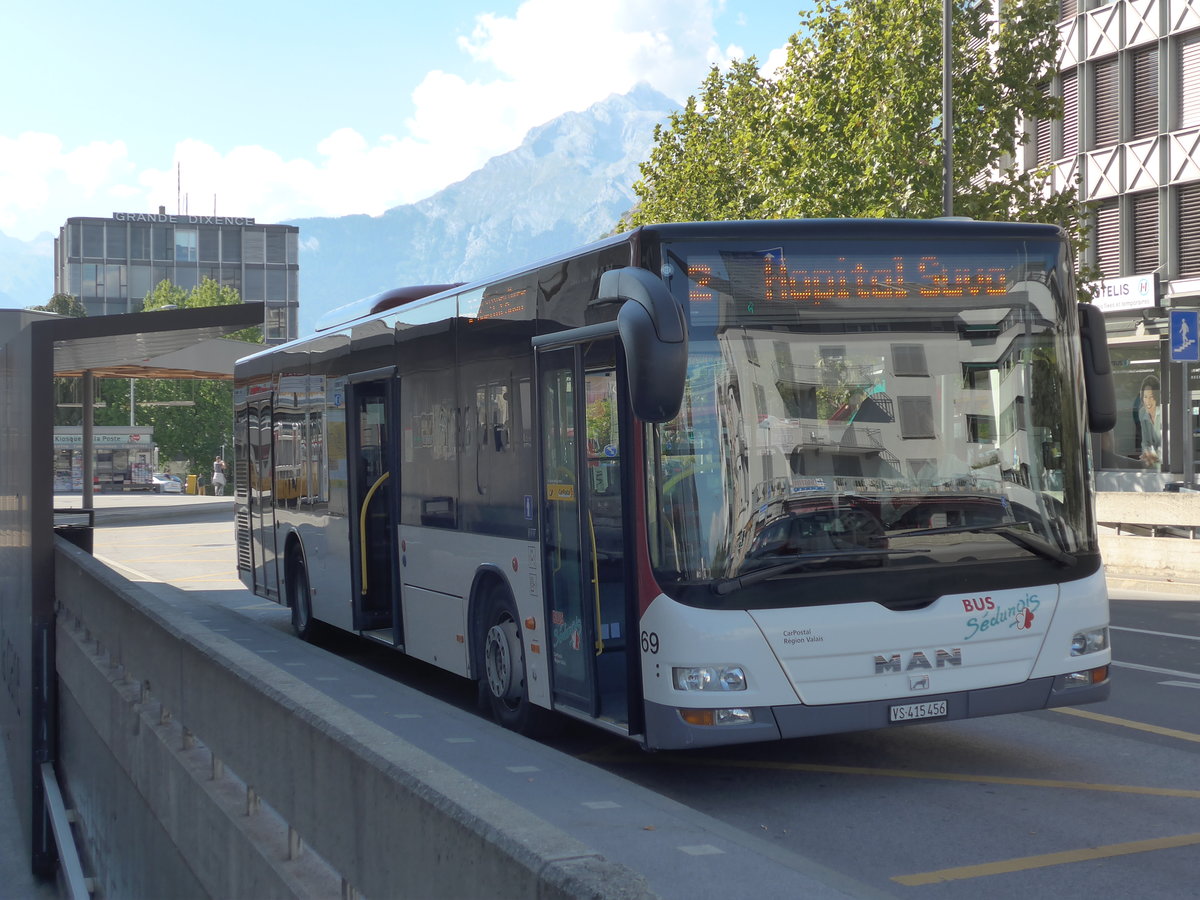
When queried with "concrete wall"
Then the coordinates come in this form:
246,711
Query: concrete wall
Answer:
164,726
1140,554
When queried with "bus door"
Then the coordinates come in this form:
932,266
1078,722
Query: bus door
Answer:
374,489
584,529
260,500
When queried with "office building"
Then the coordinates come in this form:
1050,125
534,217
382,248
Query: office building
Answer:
111,264
1129,79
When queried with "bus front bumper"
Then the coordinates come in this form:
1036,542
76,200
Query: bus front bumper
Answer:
667,730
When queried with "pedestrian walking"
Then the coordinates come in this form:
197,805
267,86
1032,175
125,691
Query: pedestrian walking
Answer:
218,477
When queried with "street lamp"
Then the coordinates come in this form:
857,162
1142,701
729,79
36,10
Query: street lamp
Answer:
947,109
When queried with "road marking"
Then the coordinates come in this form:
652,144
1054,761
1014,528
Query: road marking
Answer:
1128,723
1187,684
1186,637
1047,859
914,774
1155,669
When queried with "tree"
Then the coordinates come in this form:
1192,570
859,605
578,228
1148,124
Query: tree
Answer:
851,123
199,431
64,305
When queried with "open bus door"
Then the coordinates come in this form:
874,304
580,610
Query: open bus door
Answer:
584,529
374,487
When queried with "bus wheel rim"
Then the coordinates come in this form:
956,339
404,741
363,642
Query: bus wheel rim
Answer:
502,661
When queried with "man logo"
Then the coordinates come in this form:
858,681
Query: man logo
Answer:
918,682
918,660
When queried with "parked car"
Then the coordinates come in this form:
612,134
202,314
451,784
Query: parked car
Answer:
166,484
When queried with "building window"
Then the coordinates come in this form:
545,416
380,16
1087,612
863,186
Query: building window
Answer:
254,288
139,242
115,244
1108,239
139,282
276,247
1067,9
276,285
916,418
1189,229
93,241
1144,210
1189,80
1070,119
115,285
186,245
163,239
909,359
231,245
1043,136
1144,73
981,429
210,245
254,247
1106,112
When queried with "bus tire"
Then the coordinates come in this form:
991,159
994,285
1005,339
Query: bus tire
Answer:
502,685
299,597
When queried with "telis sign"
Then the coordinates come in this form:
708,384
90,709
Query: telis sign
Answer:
167,219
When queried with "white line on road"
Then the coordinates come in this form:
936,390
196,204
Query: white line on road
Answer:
1155,669
1186,637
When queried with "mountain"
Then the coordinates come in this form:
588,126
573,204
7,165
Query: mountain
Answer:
568,183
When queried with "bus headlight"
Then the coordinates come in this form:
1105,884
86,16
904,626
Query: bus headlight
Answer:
709,678
1089,641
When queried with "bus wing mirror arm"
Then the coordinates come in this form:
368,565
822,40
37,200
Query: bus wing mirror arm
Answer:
1097,370
653,332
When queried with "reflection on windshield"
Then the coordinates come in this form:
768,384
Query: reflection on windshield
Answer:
847,436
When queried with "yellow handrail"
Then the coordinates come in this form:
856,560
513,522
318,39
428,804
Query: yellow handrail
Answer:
362,527
596,583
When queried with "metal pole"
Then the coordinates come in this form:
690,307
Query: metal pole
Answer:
947,109
89,399
1189,430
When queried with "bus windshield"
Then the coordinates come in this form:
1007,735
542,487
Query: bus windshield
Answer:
893,408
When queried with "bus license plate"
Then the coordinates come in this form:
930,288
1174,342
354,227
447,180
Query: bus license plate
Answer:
918,711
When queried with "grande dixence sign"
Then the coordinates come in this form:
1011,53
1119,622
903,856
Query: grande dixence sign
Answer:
165,219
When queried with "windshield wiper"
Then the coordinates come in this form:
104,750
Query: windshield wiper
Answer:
1026,540
800,561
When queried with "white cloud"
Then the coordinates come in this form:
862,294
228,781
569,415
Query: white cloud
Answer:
548,58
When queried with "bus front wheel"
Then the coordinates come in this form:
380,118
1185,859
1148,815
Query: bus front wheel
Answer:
299,597
502,687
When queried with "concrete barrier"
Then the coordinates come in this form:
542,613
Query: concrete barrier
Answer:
1163,549
197,768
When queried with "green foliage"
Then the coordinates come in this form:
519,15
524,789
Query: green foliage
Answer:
851,124
64,305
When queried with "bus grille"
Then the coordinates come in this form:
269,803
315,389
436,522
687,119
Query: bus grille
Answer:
244,561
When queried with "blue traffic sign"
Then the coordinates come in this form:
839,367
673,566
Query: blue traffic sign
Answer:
1185,335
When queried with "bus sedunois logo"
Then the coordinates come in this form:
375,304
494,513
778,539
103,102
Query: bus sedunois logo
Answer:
918,660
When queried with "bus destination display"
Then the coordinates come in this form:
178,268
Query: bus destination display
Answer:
769,276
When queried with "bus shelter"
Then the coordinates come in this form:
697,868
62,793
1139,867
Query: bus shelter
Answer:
34,348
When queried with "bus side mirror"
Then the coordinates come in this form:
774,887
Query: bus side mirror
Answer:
654,334
1097,370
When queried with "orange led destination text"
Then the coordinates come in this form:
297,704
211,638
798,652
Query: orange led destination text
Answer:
897,279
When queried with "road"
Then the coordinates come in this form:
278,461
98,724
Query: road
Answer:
1102,800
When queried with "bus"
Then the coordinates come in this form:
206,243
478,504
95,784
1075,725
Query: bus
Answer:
706,483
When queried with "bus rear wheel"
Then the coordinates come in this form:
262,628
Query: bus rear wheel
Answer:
503,687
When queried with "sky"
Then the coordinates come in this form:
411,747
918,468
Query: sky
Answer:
279,111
